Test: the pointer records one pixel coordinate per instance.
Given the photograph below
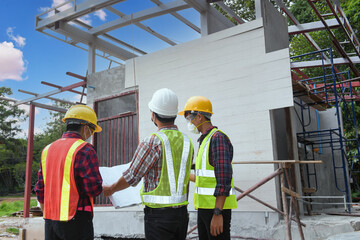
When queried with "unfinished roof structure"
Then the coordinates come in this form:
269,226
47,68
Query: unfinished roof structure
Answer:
263,98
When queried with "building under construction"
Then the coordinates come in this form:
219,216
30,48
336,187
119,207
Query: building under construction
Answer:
290,151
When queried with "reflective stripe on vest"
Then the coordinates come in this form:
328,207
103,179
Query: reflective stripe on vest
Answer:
65,191
63,209
164,199
43,160
205,183
210,191
176,189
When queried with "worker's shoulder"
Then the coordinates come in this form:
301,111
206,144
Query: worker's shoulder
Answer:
87,147
220,134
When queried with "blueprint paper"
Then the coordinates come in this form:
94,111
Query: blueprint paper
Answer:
127,197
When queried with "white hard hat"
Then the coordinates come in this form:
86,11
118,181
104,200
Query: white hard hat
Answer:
164,102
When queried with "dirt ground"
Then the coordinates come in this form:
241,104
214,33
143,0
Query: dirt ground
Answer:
7,222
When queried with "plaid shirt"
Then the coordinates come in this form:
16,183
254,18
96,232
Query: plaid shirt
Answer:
220,157
147,162
87,176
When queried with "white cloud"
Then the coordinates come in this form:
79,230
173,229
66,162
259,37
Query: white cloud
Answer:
19,40
101,14
27,109
85,19
12,65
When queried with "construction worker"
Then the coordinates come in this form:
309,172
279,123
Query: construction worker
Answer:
69,178
163,160
214,195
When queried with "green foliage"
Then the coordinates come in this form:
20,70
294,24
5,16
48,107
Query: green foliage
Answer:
13,230
245,9
13,150
9,117
7,208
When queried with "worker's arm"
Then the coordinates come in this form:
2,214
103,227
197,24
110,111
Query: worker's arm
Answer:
216,225
42,207
121,184
220,157
145,156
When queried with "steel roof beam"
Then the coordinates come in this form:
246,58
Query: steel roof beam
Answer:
230,12
296,22
105,35
142,26
140,16
202,6
59,87
40,105
73,13
319,63
181,18
313,26
50,98
73,43
86,38
79,84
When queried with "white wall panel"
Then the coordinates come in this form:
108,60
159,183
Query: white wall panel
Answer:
232,69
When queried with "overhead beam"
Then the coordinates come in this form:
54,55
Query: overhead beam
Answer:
59,87
74,43
50,98
291,16
79,84
40,105
86,38
313,26
202,6
142,26
105,35
140,16
320,63
178,16
230,12
73,13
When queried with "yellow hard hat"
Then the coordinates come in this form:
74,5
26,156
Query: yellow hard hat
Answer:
83,112
197,104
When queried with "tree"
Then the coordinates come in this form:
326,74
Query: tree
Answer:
12,150
9,117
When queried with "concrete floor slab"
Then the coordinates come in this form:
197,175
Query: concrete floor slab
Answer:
345,236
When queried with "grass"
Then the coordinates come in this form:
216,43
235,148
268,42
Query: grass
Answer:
13,230
7,208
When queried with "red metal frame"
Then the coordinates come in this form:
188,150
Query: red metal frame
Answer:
29,160
119,138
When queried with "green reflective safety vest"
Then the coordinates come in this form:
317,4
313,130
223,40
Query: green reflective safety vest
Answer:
177,153
205,182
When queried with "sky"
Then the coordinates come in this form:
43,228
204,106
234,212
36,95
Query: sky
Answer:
28,57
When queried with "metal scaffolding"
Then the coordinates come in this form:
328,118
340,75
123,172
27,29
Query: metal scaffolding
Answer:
332,91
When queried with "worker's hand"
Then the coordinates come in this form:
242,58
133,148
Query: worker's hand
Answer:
216,226
107,191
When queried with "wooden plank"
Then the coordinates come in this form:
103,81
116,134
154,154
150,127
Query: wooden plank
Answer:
279,161
308,190
290,192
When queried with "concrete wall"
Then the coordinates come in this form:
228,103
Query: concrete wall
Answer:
232,69
244,80
105,83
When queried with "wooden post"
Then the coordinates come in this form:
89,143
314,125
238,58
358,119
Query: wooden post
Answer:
29,158
285,208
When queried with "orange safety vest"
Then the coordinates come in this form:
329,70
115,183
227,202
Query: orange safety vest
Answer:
61,196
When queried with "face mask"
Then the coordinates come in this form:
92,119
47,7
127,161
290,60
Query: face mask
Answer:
90,132
192,128
153,121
